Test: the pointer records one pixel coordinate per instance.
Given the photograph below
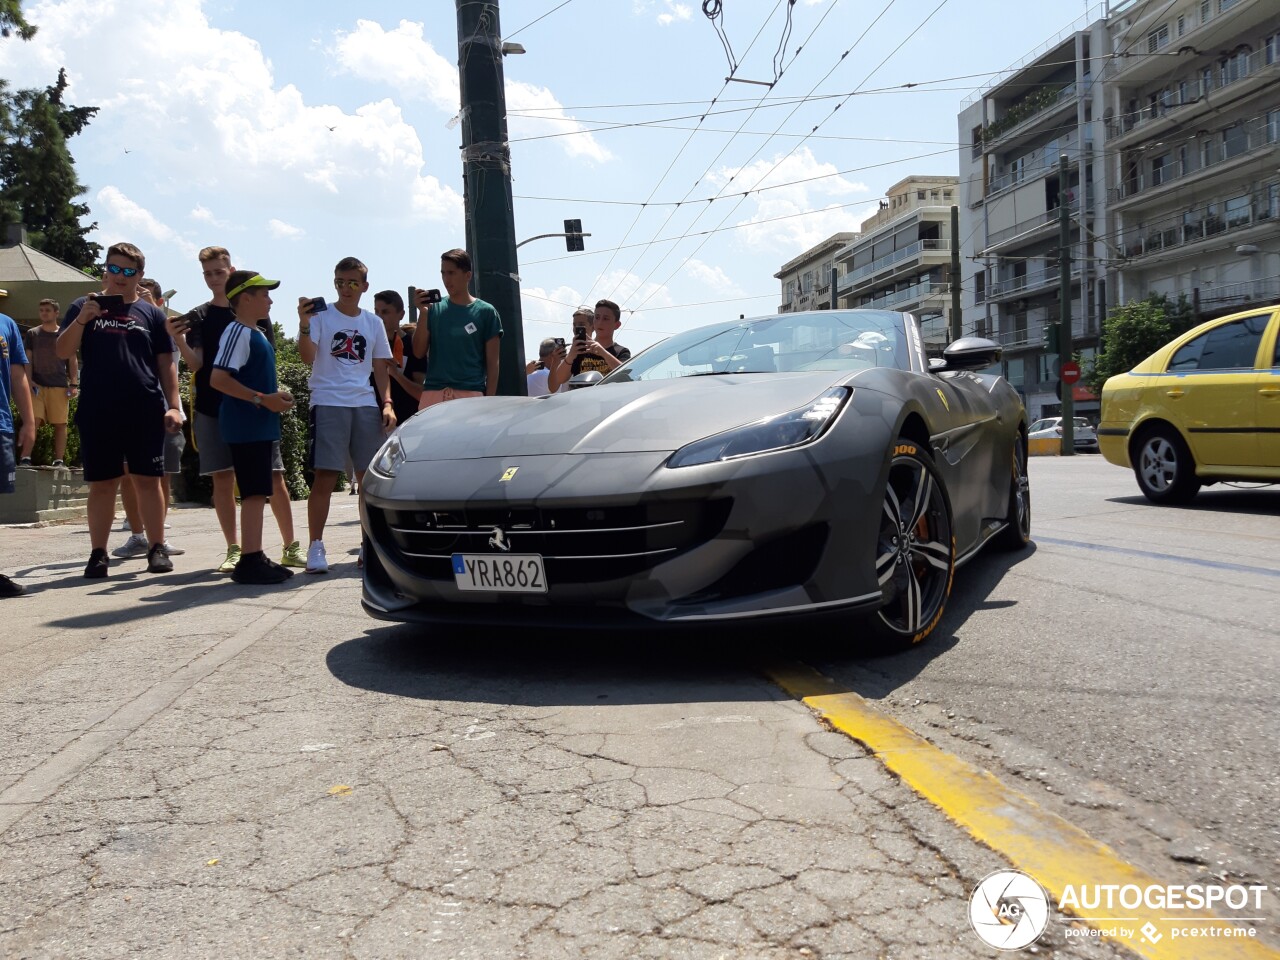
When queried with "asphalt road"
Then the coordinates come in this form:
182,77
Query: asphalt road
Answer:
191,768
1125,670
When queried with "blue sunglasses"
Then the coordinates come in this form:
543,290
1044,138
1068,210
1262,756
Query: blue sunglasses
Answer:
116,270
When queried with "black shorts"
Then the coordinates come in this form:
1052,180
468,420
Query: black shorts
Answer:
252,463
106,445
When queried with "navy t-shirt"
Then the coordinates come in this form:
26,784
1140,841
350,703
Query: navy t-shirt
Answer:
118,358
247,355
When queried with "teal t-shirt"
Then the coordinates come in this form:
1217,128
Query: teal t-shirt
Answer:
456,357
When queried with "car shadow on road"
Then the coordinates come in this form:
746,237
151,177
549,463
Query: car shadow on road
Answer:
537,666
1263,501
878,676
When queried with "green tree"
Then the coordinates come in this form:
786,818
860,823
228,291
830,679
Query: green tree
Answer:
38,183
1135,330
11,20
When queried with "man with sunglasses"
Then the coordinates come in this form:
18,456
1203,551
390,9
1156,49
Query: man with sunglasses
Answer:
128,400
348,421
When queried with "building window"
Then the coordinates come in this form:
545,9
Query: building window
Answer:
1158,38
1206,81
806,282
1273,126
1225,5
980,286
1273,199
1161,170
919,194
1206,10
1238,211
1234,141
1015,376
1272,49
1182,24
946,194
1184,93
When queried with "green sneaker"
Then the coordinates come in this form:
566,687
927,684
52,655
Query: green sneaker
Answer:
292,556
233,557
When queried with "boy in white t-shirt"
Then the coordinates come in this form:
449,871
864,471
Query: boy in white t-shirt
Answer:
349,419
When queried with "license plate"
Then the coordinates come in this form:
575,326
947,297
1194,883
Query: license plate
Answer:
510,573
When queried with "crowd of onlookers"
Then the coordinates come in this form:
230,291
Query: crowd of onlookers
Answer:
114,350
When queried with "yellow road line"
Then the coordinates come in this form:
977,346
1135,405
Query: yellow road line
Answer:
1032,839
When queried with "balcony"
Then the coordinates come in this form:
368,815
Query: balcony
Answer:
1239,295
1242,141
1035,105
1167,115
1206,220
917,291
898,256
1032,171
1028,283
1132,67
1029,228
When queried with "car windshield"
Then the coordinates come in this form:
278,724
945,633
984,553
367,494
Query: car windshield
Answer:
827,340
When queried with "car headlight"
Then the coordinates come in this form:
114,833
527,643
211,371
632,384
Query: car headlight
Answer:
388,460
782,432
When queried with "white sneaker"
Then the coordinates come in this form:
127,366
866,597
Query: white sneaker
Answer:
171,550
135,546
316,561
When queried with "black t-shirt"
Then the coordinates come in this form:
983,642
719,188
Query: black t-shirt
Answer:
118,357
205,336
405,405
587,363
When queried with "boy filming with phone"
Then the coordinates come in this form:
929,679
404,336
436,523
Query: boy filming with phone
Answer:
129,399
348,420
244,370
601,355
461,335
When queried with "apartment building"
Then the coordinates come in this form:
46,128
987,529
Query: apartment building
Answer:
1013,132
900,258
1193,145
806,280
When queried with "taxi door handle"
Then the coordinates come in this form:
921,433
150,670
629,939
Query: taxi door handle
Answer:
1175,393
1270,391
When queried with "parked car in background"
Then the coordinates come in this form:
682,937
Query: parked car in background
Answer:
1203,408
1048,428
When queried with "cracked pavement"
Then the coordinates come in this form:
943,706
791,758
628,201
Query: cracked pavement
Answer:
196,769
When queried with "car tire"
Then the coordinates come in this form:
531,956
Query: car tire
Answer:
1163,466
915,550
1016,534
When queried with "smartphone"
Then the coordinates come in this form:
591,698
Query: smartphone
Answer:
559,341
190,321
579,333
433,296
110,303
317,306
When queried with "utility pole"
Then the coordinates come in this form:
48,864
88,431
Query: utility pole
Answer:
486,168
956,325
1064,306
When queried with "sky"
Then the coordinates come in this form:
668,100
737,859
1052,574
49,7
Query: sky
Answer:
298,133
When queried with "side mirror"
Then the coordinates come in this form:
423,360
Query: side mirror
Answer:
588,379
968,353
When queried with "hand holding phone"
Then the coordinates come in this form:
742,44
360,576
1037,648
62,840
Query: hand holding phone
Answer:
317,305
108,303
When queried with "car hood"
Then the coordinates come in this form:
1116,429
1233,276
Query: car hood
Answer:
658,415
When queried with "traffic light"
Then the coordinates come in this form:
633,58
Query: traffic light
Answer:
1051,337
573,235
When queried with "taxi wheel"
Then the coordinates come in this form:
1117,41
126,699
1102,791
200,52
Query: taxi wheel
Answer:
1164,467
915,550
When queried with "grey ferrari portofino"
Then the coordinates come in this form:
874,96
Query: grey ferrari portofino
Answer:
799,464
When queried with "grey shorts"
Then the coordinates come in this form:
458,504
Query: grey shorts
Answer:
174,444
341,434
215,454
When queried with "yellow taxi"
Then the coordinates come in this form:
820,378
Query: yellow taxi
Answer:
1203,408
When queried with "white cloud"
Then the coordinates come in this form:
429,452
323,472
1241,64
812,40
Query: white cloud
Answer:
225,120
284,231
713,279
202,214
407,62
804,191
120,218
675,11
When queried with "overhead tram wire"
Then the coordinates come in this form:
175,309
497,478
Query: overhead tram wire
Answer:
543,17
743,166
603,273
775,166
